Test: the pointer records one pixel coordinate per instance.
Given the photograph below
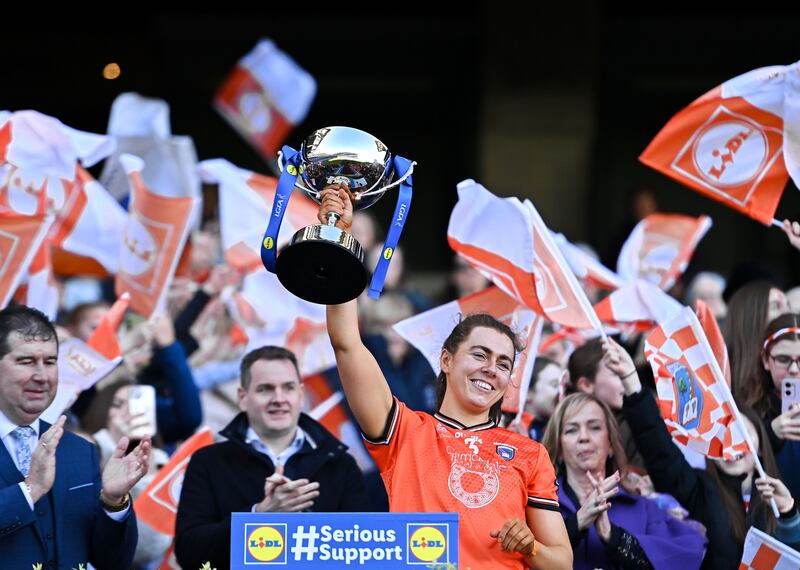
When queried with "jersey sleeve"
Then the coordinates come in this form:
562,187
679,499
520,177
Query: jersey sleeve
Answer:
542,486
400,422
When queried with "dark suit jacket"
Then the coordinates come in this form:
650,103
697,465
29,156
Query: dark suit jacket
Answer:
82,531
229,477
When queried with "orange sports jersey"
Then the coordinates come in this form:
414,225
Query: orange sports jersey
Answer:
485,473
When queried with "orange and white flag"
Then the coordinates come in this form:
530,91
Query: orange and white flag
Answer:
636,307
265,96
157,505
41,146
427,332
79,368
169,562
694,398
715,339
763,552
509,243
21,238
660,247
90,223
41,291
245,204
328,408
288,321
104,338
738,143
587,268
155,234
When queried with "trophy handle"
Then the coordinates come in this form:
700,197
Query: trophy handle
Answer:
333,217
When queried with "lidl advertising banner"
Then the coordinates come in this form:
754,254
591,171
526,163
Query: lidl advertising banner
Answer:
341,540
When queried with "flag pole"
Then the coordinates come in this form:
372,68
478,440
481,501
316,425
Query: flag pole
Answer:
737,416
777,223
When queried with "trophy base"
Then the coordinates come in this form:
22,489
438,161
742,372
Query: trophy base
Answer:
323,264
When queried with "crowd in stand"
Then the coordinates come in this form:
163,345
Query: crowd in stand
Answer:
630,497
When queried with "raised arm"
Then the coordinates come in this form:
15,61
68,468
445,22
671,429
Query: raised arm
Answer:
365,386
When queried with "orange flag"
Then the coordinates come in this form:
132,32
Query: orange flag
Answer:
20,239
155,233
265,96
104,337
734,143
714,336
158,503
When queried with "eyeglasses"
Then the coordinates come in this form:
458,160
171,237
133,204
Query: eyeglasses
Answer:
785,361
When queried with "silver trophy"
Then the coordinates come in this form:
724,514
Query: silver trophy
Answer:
322,263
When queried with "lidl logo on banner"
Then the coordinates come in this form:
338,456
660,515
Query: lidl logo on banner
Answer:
427,543
265,543
382,541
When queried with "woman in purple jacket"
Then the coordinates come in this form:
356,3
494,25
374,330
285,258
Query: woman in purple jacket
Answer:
608,526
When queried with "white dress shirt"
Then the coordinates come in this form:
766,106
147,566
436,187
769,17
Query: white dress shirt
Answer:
6,429
255,442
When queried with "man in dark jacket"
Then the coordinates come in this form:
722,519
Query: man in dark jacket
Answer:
276,459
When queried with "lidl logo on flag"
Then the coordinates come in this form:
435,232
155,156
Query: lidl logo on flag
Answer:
427,543
729,143
689,395
730,153
266,544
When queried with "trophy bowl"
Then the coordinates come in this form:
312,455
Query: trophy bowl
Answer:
322,263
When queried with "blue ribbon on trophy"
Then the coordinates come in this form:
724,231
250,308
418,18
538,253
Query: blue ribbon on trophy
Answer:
401,168
322,263
292,168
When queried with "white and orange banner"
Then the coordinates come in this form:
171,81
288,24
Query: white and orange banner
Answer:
41,291
508,242
636,307
691,390
288,321
587,268
157,505
155,234
715,339
140,126
79,368
427,332
21,238
763,552
265,96
660,247
91,223
245,204
41,146
738,143
328,408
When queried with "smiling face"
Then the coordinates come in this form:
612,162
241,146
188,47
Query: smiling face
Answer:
585,442
273,398
477,374
28,378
